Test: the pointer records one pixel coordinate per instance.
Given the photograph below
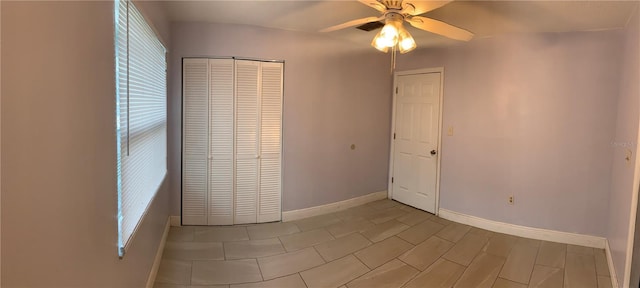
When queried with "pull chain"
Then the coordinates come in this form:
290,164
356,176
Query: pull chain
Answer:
393,59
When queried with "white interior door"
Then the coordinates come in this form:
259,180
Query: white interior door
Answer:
415,153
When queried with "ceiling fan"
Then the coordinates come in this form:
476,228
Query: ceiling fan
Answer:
393,34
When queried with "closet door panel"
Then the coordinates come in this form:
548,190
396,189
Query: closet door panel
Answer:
246,191
194,141
221,132
270,193
246,141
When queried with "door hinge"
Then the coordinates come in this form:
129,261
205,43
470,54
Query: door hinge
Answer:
394,136
391,179
396,90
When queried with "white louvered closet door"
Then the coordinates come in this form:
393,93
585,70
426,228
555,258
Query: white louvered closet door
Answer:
221,126
195,145
269,207
246,141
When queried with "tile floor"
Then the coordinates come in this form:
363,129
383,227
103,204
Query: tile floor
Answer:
380,244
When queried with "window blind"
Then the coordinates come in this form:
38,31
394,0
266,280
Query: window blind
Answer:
141,117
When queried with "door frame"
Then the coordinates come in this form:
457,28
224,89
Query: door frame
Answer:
393,127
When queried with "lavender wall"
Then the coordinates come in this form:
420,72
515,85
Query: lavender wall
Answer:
59,198
533,117
622,173
334,96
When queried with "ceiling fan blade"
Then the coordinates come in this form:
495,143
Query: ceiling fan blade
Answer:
440,28
352,23
420,7
374,4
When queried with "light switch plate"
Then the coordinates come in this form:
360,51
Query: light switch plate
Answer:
450,131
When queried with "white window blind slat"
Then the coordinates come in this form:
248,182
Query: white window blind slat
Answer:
142,119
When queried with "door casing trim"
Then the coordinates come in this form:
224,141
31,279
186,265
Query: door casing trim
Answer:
393,125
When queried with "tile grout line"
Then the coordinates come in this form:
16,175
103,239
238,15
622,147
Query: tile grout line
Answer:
260,269
535,261
305,282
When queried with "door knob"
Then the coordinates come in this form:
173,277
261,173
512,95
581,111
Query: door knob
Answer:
433,152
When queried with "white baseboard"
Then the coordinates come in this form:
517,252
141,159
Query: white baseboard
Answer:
332,207
156,261
524,231
175,221
612,269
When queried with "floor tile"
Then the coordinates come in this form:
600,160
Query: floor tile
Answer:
193,251
385,230
390,275
604,282
382,204
552,254
466,249
334,273
348,227
305,239
426,253
316,222
252,248
382,252
414,218
529,242
225,272
453,232
420,232
519,264
481,232
410,209
350,241
220,233
602,267
181,234
167,285
442,221
547,277
580,271
482,272
289,263
174,272
443,273
504,283
386,215
271,230
579,249
500,245
291,281
341,247
360,212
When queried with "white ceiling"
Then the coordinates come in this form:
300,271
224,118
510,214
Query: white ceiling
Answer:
483,18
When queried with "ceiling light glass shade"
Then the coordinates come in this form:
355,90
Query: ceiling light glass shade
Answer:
406,42
388,35
379,44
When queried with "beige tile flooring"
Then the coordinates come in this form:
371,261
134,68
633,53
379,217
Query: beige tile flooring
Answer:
380,244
